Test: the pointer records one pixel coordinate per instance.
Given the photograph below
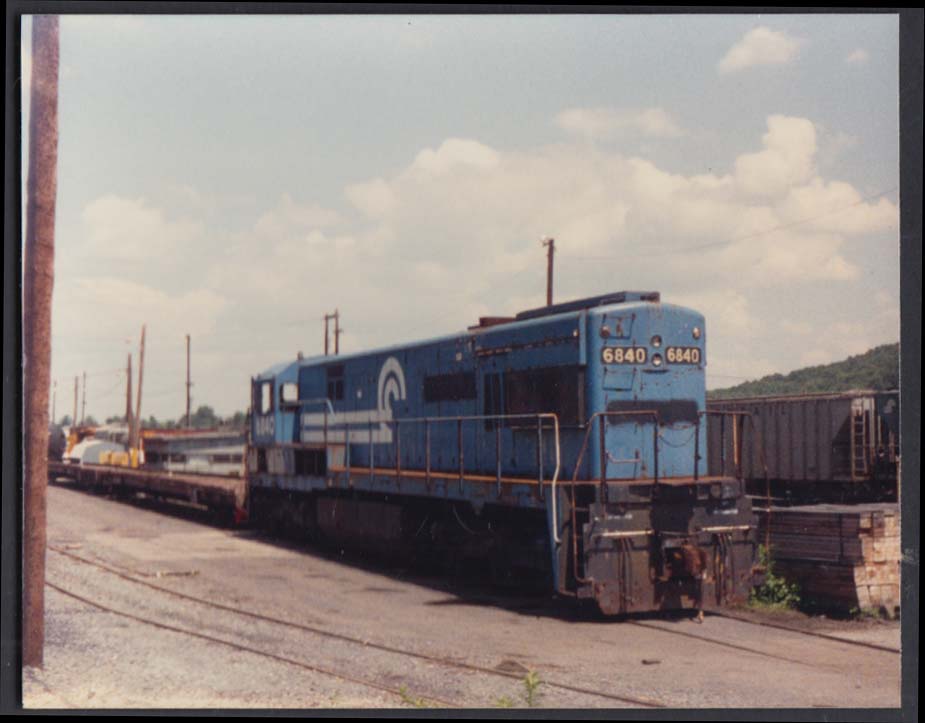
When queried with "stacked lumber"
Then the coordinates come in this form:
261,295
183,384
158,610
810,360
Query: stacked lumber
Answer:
842,556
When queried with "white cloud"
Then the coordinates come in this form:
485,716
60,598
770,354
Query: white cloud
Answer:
374,198
760,46
837,207
455,234
604,123
726,310
858,57
786,161
127,228
834,342
455,154
123,306
289,217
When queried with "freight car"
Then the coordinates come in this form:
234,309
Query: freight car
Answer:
811,447
562,443
200,468
209,452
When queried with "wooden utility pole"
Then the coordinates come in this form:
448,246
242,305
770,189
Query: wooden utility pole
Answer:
327,333
141,369
76,394
128,397
550,243
38,283
83,403
188,382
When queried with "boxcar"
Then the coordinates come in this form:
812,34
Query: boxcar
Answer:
563,444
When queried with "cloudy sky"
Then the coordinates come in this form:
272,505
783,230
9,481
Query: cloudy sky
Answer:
235,178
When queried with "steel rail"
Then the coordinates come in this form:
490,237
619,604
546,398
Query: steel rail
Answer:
811,633
358,641
723,644
245,648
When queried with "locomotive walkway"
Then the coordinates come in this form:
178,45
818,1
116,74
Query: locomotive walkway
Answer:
152,610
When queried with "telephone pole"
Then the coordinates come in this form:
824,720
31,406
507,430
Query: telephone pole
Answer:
550,244
141,369
83,404
188,382
38,282
337,332
128,397
76,392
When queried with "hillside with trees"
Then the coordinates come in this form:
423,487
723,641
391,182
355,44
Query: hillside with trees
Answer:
874,369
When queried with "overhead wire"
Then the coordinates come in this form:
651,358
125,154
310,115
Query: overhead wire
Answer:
729,242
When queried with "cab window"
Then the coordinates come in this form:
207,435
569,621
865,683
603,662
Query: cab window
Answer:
266,397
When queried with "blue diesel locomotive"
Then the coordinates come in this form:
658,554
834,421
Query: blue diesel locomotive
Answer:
567,443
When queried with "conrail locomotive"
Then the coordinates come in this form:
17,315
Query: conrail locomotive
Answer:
566,444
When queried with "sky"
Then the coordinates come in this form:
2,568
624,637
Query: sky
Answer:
236,178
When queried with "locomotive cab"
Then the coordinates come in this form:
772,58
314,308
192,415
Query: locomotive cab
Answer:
658,533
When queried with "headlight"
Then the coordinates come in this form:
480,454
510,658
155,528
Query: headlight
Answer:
696,332
656,341
657,360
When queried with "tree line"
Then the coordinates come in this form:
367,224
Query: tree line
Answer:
203,418
877,369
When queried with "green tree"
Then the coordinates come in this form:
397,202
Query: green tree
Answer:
204,418
875,369
238,420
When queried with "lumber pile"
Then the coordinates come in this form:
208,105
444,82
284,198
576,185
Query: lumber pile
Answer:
842,556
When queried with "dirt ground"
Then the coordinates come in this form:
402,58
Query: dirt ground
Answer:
301,628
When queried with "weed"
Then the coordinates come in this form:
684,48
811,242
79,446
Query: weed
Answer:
867,613
409,699
504,702
532,683
775,592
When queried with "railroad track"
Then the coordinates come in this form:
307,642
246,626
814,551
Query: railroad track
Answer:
636,701
811,633
398,692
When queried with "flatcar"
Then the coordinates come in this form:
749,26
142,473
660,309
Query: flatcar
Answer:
561,445
823,447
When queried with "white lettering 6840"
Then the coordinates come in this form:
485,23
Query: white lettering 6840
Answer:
623,355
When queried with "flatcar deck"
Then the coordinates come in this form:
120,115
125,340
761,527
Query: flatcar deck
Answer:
211,491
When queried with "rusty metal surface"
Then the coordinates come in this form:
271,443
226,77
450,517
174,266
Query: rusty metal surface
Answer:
213,491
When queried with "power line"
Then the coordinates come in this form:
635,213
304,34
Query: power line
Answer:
728,242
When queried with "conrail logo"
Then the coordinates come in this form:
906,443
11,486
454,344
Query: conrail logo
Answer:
366,425
391,385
